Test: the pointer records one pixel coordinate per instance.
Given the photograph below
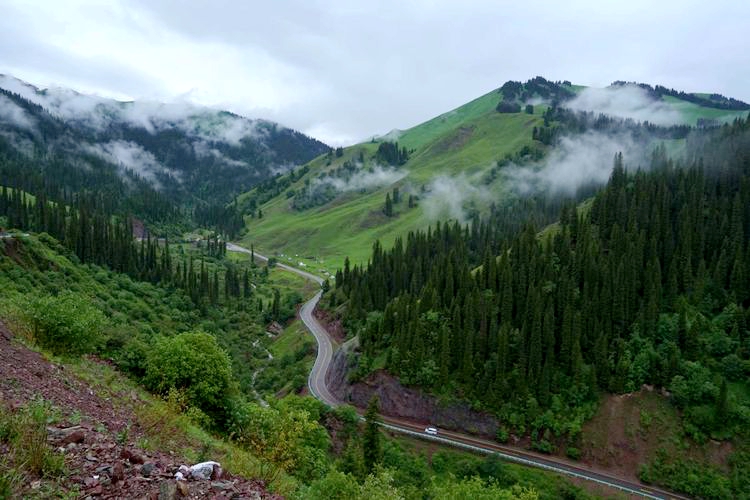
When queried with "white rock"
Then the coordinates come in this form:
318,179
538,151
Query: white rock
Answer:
203,470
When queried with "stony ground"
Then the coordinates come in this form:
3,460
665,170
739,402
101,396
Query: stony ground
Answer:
99,436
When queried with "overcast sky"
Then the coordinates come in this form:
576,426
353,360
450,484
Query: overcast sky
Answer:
344,70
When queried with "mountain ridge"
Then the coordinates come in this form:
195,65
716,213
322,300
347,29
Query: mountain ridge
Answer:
190,153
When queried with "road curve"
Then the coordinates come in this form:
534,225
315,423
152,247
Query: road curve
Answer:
317,385
316,382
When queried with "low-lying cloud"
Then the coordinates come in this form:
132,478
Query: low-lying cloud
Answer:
205,149
98,113
12,112
393,135
580,160
128,155
626,101
449,197
374,177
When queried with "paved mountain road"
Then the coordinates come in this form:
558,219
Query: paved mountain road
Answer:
317,384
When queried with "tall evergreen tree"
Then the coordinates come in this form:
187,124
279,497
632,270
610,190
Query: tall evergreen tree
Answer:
372,447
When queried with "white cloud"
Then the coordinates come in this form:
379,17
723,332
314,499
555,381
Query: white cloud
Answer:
585,159
447,197
98,112
128,155
626,101
377,176
10,111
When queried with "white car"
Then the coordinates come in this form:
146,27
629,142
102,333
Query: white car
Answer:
431,431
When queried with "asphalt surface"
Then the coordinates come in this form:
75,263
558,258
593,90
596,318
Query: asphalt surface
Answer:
316,382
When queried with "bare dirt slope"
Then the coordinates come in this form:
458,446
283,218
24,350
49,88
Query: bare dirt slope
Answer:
404,402
628,430
98,435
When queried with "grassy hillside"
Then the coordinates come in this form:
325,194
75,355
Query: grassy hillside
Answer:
41,390
451,173
692,112
465,142
139,312
433,129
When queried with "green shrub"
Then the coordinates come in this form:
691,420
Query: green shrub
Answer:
132,357
502,435
284,439
192,363
686,476
334,486
543,445
66,323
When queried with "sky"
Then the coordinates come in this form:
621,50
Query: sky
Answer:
344,70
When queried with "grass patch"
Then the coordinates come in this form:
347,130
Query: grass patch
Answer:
27,457
294,337
691,112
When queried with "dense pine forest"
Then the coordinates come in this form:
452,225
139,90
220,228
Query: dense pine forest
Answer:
645,284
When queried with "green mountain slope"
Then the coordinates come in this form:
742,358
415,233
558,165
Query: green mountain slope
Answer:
466,141
451,173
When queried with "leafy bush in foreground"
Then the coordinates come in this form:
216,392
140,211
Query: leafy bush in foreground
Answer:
66,323
192,363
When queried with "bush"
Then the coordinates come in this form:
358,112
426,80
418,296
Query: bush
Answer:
284,438
192,363
543,445
508,107
686,476
133,357
502,435
333,486
66,323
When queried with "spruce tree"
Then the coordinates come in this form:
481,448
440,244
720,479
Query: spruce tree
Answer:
388,208
372,448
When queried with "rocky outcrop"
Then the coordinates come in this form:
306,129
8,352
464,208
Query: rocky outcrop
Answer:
404,402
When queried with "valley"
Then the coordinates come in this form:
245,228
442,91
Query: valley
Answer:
552,275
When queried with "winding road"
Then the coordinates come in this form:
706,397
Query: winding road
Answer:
316,383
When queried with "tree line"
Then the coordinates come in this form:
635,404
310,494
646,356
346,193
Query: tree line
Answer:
389,152
98,238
